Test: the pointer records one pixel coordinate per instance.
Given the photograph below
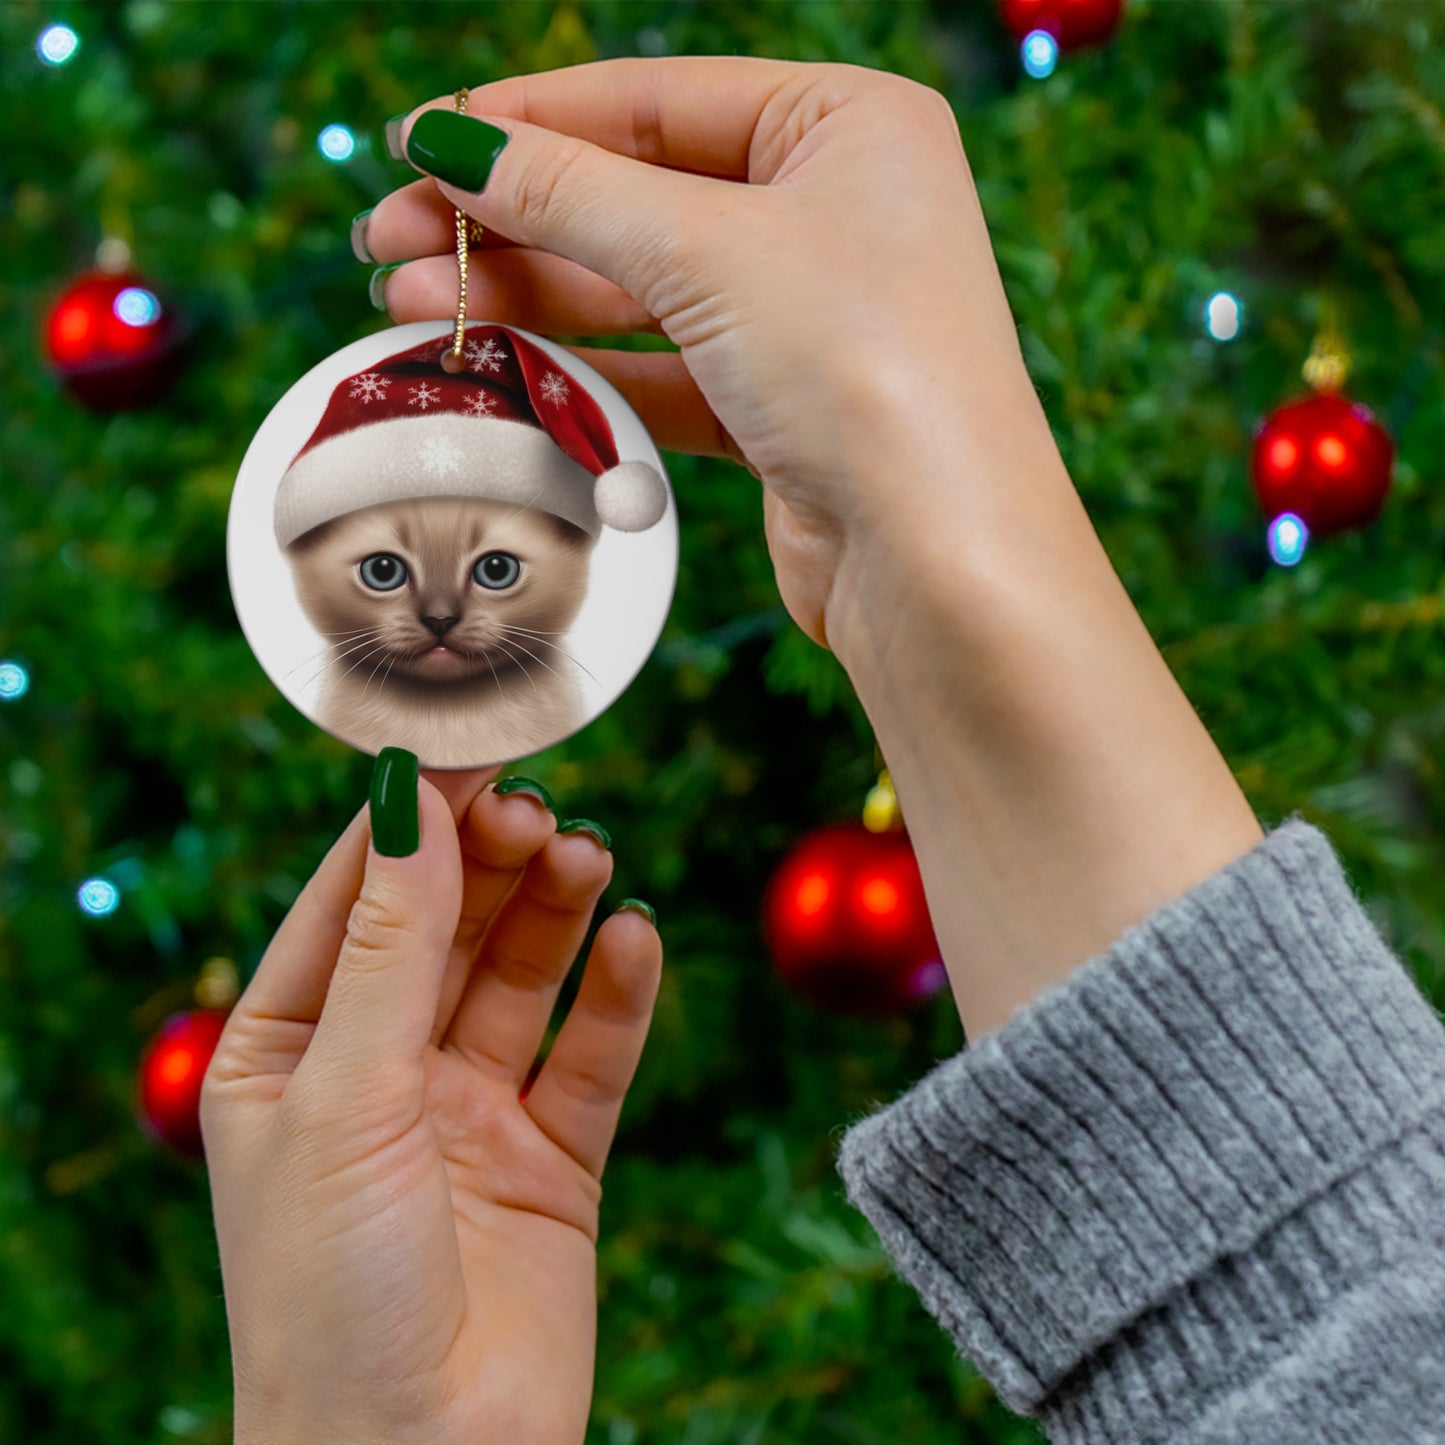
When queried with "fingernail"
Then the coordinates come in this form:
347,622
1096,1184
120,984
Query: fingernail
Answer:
586,825
525,785
636,905
455,148
395,820
393,136
376,288
359,247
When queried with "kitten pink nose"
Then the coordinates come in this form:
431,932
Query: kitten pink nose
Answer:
439,625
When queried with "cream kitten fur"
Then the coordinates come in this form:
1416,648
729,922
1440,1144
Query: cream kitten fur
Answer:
444,619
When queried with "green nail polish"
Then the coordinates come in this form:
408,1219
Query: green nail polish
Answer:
525,785
376,288
455,148
395,820
358,236
586,825
393,136
636,905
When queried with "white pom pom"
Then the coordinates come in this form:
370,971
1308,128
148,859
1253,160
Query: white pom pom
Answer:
631,497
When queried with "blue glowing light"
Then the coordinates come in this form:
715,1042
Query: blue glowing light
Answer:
336,143
1040,53
57,44
137,307
1223,316
98,897
14,681
1288,537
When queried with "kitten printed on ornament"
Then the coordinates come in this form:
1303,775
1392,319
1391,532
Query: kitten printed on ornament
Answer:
439,528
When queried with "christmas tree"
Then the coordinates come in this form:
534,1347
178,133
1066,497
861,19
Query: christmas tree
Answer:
1178,213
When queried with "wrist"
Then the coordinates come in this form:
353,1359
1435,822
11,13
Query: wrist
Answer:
1056,782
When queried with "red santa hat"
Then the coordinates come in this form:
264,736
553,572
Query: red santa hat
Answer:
513,427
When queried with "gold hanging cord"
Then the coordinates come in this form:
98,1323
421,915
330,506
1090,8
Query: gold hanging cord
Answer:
469,233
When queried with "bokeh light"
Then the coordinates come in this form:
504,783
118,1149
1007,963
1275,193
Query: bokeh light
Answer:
1288,537
1223,316
57,44
1040,53
98,897
336,143
14,681
137,307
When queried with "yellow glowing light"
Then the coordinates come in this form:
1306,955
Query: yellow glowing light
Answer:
1331,451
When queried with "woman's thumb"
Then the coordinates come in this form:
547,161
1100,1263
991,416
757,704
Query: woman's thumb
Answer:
623,219
382,1000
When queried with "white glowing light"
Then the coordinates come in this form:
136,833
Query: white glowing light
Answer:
1040,53
137,307
14,681
1223,316
1288,537
57,44
98,897
336,143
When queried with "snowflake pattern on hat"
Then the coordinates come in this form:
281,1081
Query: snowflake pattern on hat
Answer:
513,425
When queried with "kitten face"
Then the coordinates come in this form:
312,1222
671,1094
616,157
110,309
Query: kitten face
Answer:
440,590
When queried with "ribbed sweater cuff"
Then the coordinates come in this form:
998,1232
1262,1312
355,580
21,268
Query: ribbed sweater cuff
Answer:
1143,1165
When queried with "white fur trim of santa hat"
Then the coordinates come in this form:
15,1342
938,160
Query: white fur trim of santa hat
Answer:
451,455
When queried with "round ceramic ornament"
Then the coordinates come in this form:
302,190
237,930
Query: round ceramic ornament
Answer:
470,560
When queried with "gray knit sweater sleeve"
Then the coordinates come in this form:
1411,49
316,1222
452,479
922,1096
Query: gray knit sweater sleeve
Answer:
1196,1192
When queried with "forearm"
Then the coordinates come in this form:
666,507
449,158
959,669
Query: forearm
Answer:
1057,784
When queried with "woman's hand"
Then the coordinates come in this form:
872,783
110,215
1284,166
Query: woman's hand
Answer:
841,304
810,237
408,1246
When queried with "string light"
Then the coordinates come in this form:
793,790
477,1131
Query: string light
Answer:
336,143
137,307
1223,316
98,897
14,681
1040,52
57,44
1288,537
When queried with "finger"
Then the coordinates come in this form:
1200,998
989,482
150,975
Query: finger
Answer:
659,388
695,113
623,219
517,287
499,835
460,788
577,1097
382,998
502,1015
289,986
417,220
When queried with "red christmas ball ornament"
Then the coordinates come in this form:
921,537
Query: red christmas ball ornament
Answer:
112,341
1324,458
171,1072
847,924
1072,23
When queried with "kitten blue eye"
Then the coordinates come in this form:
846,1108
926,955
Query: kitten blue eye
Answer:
497,570
382,572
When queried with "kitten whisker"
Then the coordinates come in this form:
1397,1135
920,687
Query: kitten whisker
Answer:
534,656
373,671
374,631
362,659
554,646
509,628
520,664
